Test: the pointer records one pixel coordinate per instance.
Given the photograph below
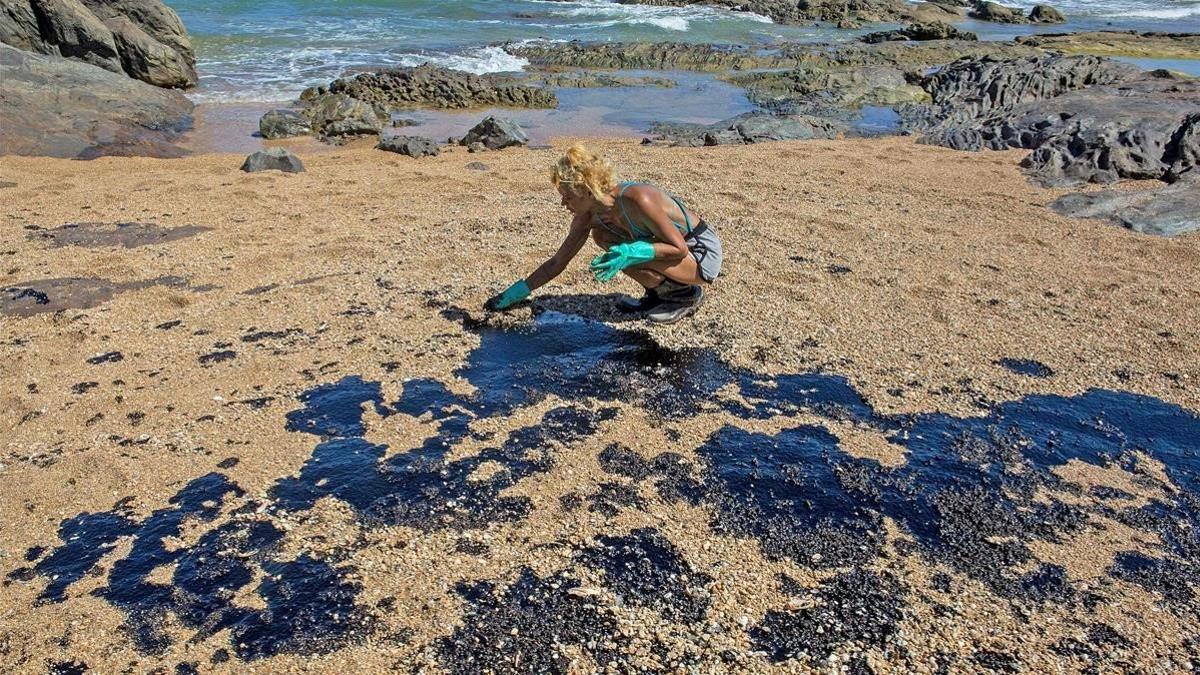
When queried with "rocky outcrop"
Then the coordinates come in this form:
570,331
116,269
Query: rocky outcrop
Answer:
283,123
1166,211
978,86
919,32
1046,14
1087,119
413,146
847,87
436,87
141,38
597,80
907,55
332,116
745,129
1119,43
495,133
997,13
273,159
838,12
63,108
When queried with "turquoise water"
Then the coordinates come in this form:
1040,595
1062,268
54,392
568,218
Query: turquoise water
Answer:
270,50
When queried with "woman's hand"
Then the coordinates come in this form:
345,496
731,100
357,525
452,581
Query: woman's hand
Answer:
511,296
619,257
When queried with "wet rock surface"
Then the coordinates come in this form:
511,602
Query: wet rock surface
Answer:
1168,211
920,32
750,128
975,496
1119,43
436,87
283,123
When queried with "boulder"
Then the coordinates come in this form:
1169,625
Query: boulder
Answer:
991,11
495,133
850,87
920,32
155,18
1046,14
19,26
745,129
147,59
61,108
77,33
413,146
273,159
142,38
339,115
283,123
1166,211
438,87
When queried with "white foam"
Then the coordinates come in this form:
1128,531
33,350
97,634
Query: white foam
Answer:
666,17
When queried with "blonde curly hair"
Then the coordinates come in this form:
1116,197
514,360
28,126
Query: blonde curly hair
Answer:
581,169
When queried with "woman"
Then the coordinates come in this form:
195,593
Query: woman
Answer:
647,234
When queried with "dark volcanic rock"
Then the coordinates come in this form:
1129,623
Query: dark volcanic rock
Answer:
336,115
838,87
273,159
495,133
1088,119
413,146
283,123
750,128
1168,211
76,33
977,86
840,12
61,108
919,32
142,38
438,87
1046,14
1119,43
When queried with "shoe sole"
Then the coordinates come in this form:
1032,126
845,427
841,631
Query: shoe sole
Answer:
686,311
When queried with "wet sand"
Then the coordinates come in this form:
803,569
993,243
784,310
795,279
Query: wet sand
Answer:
910,271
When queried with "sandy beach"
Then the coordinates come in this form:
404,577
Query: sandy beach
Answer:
911,271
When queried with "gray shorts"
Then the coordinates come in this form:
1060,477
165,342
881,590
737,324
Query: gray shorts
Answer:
705,246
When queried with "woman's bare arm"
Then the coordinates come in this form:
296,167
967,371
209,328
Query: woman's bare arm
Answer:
566,252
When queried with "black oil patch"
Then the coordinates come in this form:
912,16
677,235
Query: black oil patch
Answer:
524,628
645,570
128,235
860,608
53,295
970,495
1026,367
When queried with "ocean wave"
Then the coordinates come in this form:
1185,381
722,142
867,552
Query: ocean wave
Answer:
291,72
666,17
1118,9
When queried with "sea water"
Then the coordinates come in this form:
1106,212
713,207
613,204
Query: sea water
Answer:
270,50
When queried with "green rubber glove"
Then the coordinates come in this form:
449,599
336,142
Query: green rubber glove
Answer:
511,296
621,256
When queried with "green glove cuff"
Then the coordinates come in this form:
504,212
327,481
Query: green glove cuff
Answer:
512,295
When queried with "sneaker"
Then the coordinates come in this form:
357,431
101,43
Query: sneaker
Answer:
670,311
648,301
